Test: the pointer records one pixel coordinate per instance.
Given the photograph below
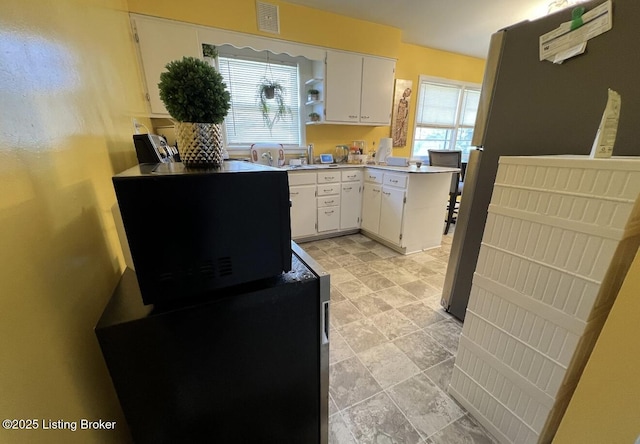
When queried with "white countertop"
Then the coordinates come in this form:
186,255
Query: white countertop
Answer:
424,169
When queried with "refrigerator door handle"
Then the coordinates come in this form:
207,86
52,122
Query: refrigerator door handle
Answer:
325,322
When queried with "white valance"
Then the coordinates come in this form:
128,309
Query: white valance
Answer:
218,37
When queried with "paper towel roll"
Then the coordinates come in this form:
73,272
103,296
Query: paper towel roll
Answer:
384,149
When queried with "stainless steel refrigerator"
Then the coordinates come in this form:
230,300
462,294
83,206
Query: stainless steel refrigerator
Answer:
530,107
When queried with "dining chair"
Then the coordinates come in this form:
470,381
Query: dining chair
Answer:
451,159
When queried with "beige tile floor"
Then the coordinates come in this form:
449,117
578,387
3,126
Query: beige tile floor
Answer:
392,346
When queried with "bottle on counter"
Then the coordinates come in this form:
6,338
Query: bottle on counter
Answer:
310,153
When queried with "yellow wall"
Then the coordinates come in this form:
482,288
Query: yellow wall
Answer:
605,407
69,87
315,27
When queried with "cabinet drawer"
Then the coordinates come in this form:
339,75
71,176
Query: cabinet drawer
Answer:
329,188
395,180
352,175
302,178
374,176
328,201
329,176
328,218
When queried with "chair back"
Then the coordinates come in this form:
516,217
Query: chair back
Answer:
450,159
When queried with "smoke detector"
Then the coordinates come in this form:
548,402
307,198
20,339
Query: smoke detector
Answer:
268,20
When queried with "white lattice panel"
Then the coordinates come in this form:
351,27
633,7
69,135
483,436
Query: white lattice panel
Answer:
584,255
504,424
568,293
617,178
543,335
538,301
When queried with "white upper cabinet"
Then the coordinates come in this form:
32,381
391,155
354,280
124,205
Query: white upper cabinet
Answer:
377,91
359,89
161,42
343,87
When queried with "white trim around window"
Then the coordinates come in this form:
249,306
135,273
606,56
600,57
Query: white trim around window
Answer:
445,115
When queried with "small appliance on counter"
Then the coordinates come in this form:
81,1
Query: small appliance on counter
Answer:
397,161
152,148
194,231
342,153
326,158
384,150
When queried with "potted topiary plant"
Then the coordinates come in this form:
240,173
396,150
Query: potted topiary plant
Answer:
314,117
196,96
313,95
271,102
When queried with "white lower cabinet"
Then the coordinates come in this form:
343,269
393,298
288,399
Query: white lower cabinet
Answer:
328,219
302,193
371,207
328,201
391,212
402,210
350,199
303,210
350,202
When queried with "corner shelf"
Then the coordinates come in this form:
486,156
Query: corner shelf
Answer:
312,81
315,82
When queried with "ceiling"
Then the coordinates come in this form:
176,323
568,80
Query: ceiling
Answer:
460,26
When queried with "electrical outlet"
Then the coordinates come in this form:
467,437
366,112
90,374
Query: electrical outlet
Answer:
136,126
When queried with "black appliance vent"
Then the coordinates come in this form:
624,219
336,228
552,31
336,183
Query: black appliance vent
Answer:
225,267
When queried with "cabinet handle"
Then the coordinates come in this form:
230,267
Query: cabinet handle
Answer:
351,177
386,194
328,201
364,117
375,191
347,188
295,194
372,177
328,212
353,117
393,181
328,191
325,322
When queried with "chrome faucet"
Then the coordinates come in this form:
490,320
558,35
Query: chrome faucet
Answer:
267,155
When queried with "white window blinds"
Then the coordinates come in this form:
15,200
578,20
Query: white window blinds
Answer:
445,116
439,104
244,123
469,110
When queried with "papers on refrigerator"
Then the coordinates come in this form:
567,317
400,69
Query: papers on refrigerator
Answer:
563,43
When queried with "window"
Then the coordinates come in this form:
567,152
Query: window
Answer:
445,116
244,124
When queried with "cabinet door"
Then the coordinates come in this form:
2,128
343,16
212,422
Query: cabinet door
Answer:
328,219
350,203
371,207
161,42
377,91
343,85
391,212
303,210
